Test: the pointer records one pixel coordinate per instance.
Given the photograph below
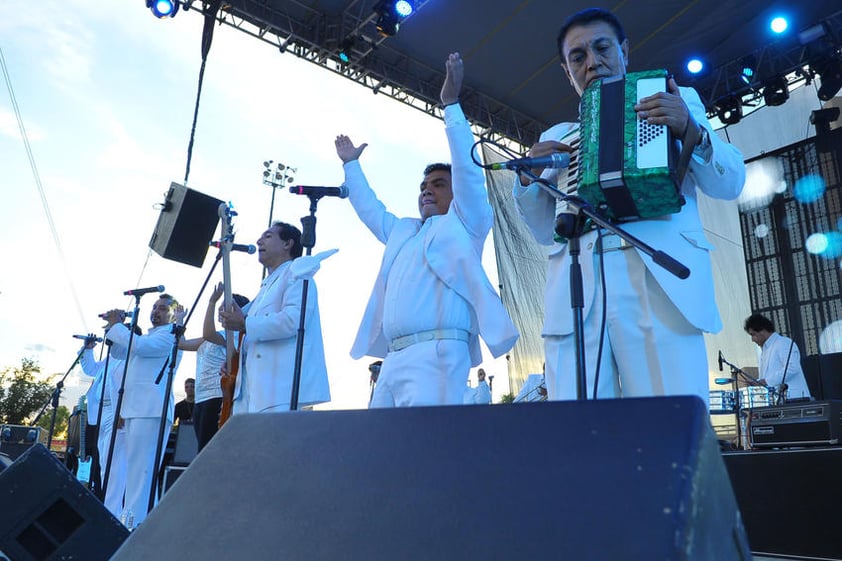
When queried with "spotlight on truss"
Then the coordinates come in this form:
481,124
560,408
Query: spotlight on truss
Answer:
729,109
776,91
390,15
163,8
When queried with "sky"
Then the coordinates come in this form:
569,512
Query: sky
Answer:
106,95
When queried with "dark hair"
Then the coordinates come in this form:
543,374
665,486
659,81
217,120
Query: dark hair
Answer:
585,17
170,297
240,299
290,232
436,167
757,322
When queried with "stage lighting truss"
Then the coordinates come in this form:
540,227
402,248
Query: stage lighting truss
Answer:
729,109
163,8
390,15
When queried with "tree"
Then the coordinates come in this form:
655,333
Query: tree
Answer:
62,418
21,395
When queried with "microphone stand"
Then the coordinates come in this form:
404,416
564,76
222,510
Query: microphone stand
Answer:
54,399
119,406
308,240
582,207
103,382
736,373
177,331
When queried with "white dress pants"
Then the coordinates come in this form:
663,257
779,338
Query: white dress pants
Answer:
117,475
429,373
141,438
650,349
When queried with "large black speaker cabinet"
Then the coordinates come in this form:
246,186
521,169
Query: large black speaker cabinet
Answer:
17,439
621,480
47,515
185,226
790,500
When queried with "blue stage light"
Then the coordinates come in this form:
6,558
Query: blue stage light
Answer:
695,65
403,8
778,24
163,8
749,68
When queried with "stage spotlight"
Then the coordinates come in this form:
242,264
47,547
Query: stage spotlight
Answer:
390,15
830,72
729,109
695,65
346,47
778,24
776,91
748,69
163,8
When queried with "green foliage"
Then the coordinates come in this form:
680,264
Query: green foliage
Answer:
507,398
21,395
62,417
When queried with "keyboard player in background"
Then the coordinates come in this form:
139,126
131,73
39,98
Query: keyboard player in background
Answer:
654,321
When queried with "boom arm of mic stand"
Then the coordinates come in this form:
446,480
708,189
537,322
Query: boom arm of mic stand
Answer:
661,258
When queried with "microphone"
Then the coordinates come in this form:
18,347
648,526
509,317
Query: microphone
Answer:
720,381
128,314
554,160
142,291
720,361
89,338
341,191
250,249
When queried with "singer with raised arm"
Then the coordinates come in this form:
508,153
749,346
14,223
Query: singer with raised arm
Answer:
270,325
651,336
432,299
780,360
143,399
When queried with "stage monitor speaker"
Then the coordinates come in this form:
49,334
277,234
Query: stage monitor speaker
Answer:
17,439
185,226
47,515
790,500
615,479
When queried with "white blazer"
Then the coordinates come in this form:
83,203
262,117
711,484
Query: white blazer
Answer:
680,235
452,248
267,357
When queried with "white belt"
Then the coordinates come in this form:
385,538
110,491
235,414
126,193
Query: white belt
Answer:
400,343
612,242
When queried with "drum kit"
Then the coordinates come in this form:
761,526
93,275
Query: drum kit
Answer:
739,400
724,402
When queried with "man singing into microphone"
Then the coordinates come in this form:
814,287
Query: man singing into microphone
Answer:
270,323
143,400
653,321
431,300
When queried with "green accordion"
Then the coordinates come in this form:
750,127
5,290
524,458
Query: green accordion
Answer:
627,167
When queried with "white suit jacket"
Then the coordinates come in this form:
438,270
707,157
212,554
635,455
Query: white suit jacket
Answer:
680,235
452,248
267,356
150,352
92,367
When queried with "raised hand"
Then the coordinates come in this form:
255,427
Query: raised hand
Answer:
346,150
453,80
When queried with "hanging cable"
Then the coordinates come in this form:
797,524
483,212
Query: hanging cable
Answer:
44,203
207,39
